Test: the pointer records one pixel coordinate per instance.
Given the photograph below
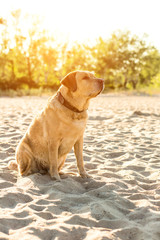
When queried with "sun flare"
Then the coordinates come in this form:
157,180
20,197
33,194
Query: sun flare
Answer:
42,41
87,20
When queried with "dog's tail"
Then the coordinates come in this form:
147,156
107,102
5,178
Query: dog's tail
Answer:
23,168
12,165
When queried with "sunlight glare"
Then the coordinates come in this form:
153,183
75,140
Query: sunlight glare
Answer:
82,20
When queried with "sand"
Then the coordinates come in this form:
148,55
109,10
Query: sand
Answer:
121,200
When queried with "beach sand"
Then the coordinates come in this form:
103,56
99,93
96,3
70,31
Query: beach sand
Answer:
121,200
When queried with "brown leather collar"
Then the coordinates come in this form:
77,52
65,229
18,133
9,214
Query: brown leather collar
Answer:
65,103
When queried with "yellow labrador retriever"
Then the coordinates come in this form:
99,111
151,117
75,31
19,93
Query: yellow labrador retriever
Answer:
59,127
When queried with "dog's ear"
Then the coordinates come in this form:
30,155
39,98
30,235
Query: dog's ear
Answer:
70,81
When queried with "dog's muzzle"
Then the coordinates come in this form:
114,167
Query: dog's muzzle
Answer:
101,84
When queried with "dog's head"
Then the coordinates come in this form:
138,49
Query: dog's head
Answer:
83,83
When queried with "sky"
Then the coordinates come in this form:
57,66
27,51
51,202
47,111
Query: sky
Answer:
86,20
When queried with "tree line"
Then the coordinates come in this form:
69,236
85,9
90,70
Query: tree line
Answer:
36,60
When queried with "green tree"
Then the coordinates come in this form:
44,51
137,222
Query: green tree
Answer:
78,57
120,58
34,59
151,66
5,64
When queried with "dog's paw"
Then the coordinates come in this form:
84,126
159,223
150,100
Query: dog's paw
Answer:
56,177
84,175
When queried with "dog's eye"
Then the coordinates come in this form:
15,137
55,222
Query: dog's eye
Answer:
86,78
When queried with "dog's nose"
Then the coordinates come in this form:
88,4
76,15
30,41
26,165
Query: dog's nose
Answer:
101,81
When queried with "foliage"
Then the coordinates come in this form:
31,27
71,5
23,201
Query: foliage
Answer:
36,60
122,60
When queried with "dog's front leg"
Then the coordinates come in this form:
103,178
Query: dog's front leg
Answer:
53,159
78,149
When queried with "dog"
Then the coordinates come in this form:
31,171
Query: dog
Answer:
59,127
